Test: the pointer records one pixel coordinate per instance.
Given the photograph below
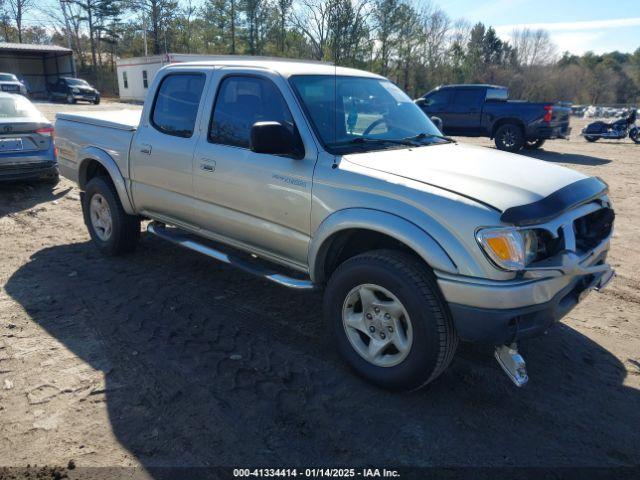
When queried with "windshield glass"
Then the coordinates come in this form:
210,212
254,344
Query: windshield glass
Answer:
77,82
356,113
17,106
7,77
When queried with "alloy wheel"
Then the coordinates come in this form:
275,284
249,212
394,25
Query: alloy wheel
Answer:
100,214
377,325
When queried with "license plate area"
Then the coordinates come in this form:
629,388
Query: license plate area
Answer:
11,145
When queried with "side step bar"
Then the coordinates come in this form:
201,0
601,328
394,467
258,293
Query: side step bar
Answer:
160,230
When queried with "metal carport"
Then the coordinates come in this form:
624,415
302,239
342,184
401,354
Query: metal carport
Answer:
37,64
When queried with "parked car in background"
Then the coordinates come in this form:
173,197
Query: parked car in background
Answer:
486,111
316,176
10,83
72,90
27,151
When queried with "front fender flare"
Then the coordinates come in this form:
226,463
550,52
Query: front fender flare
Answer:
386,223
89,154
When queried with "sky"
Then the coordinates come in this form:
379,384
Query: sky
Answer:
577,25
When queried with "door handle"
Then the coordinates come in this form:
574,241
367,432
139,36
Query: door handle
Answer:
207,165
145,148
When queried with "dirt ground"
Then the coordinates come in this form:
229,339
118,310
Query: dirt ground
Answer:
164,358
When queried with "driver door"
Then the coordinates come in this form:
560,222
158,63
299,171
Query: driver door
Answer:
259,202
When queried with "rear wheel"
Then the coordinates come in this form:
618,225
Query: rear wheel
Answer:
590,139
534,143
509,137
389,319
112,230
634,135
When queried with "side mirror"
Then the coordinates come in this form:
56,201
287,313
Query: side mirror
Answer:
273,138
421,102
437,121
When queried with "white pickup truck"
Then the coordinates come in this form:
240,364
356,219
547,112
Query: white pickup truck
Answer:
314,176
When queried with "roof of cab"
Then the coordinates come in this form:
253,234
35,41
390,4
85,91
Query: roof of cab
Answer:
283,66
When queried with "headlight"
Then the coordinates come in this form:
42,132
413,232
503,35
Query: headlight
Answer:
509,248
75,90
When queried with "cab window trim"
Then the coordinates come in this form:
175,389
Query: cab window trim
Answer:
155,100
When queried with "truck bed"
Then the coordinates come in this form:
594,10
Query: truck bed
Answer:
120,119
85,135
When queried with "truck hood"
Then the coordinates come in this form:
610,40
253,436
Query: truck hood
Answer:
498,179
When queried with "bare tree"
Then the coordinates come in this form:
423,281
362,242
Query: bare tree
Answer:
533,47
18,9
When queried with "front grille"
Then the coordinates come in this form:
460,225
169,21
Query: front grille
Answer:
593,228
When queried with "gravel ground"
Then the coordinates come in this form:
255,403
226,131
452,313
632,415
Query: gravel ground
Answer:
164,358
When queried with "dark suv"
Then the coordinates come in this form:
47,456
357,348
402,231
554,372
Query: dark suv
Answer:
73,89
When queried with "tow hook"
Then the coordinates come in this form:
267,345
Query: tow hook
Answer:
512,363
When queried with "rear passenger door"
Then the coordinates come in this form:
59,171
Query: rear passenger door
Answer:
258,202
163,146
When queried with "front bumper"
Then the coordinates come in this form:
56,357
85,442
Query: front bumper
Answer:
87,97
495,312
505,326
28,171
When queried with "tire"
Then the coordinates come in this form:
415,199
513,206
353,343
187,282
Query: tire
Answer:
96,101
590,139
70,100
116,232
424,327
634,135
534,144
509,137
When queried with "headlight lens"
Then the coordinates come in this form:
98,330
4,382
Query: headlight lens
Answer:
509,248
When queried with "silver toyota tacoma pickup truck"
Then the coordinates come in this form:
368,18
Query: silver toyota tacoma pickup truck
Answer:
314,176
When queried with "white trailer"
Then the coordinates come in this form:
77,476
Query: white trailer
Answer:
136,74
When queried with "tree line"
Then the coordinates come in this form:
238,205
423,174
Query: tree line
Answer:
417,45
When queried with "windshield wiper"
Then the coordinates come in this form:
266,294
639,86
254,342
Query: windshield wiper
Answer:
425,135
376,141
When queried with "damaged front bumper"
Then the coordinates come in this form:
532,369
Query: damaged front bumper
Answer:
495,312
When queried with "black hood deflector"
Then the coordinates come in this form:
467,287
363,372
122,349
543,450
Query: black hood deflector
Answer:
569,197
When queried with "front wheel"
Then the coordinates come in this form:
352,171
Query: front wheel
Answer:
534,143
590,138
96,101
389,319
634,135
112,230
70,99
509,137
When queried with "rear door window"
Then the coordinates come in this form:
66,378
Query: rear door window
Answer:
176,104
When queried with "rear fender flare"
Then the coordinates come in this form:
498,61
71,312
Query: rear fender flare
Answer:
89,154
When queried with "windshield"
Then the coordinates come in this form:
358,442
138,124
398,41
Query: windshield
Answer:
7,77
16,106
77,82
356,113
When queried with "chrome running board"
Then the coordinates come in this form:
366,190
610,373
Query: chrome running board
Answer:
160,230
